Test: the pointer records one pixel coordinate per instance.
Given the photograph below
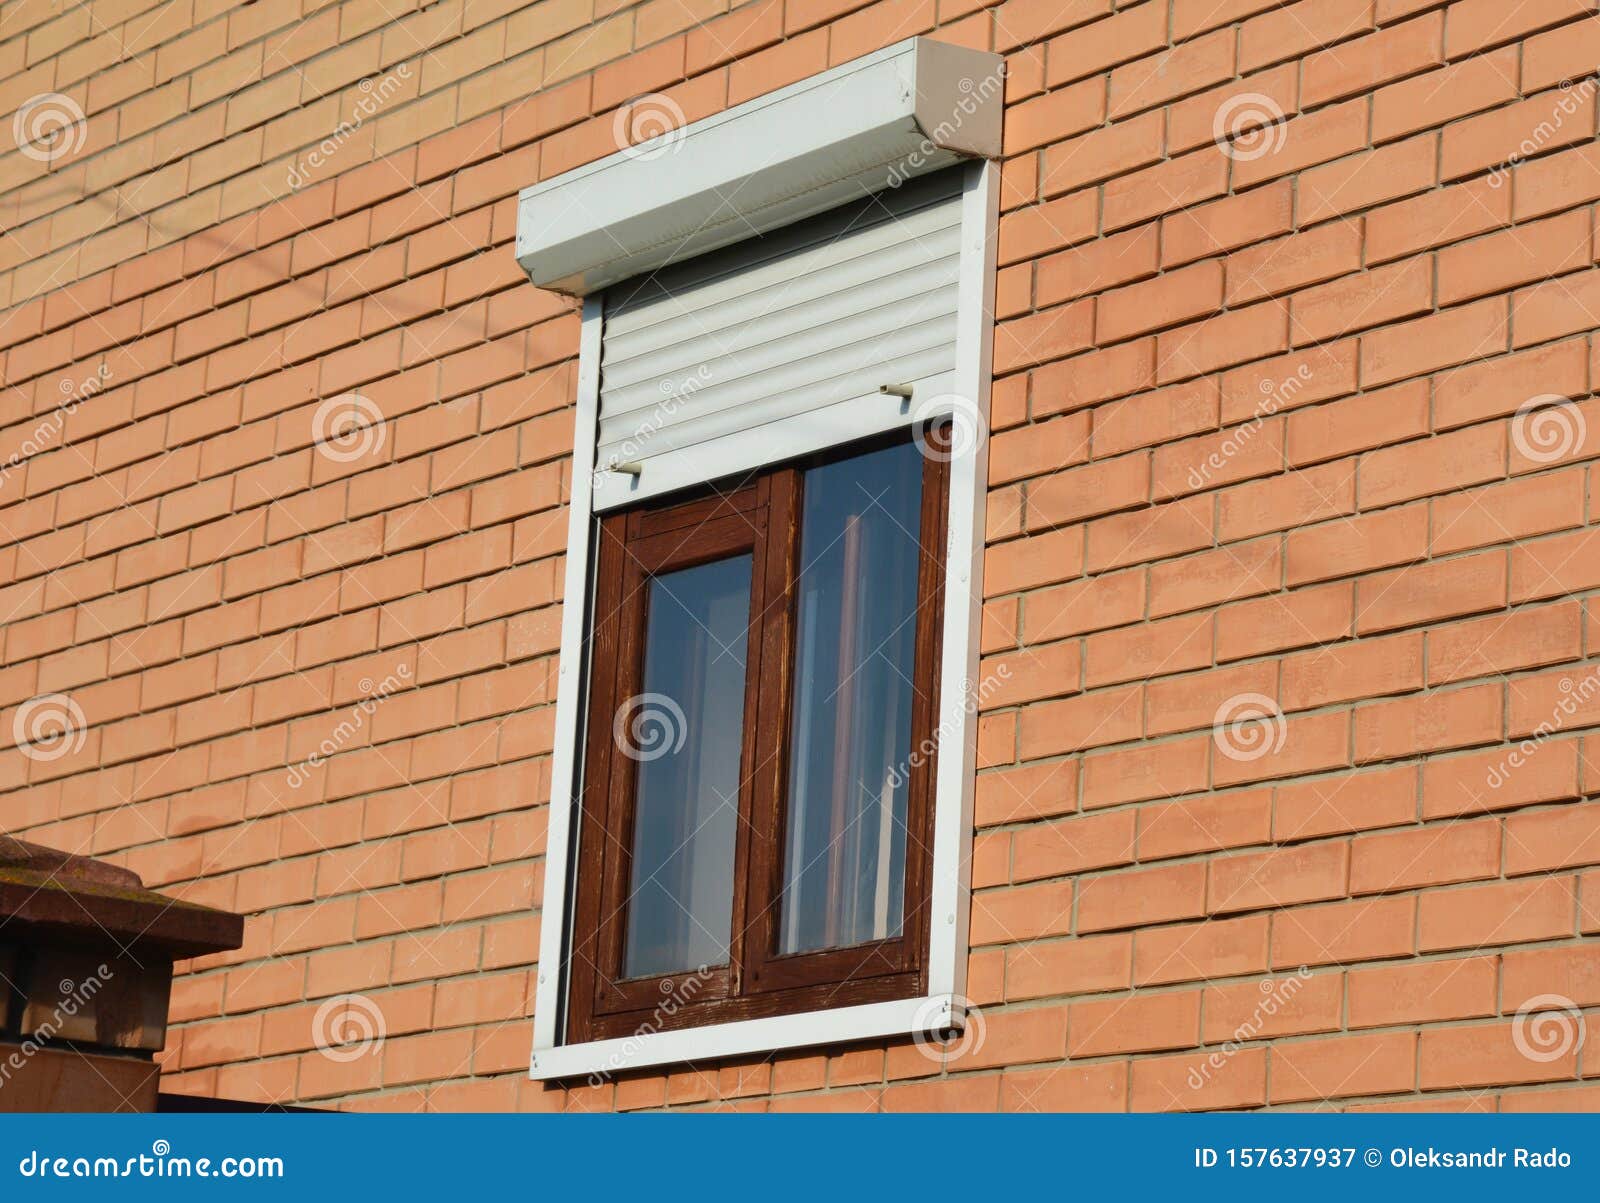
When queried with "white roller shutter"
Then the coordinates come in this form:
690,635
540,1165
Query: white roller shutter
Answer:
773,346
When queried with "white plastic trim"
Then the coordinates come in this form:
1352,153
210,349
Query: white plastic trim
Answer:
942,1007
902,1017
908,109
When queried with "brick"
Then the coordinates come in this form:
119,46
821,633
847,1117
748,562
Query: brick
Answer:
1098,265
1429,343
1344,932
1073,845
1541,841
1083,965
1346,802
1285,264
1207,824
1428,992
1132,899
1434,855
1476,24
1474,1056
1102,153
1141,1023
1572,972
1453,719
1503,643
1355,545
1496,139
1500,778
1276,503
1293,1005
1343,1066
1493,389
1282,877
1101,44
1432,592
1021,913
1204,1081
1299,27
1098,1087
1201,951
1227,224
1509,913
1497,262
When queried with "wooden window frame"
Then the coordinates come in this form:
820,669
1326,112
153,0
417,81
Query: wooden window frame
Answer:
760,517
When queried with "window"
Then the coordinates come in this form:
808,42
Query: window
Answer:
763,761
755,835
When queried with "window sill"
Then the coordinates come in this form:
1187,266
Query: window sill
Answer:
871,1021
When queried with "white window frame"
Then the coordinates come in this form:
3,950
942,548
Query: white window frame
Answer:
942,1007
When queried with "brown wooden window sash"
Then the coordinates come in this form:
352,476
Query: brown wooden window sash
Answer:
759,518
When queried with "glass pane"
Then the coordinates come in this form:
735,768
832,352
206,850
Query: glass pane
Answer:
685,730
844,856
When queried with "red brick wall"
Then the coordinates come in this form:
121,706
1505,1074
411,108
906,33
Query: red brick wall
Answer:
1260,448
